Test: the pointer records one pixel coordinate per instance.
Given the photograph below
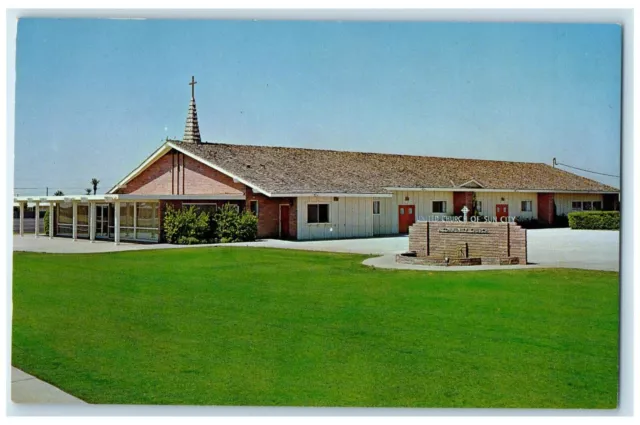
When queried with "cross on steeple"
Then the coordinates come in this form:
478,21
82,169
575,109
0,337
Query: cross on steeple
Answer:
193,86
191,129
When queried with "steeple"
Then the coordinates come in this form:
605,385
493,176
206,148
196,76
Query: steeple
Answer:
191,129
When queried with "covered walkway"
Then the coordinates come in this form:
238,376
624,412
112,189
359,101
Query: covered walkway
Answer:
116,218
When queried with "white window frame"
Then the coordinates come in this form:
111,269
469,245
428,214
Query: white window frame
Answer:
576,209
526,203
318,205
374,207
257,206
444,207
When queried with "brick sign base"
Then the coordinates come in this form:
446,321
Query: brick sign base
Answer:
464,244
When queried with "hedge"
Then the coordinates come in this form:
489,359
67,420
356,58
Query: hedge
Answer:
595,220
186,226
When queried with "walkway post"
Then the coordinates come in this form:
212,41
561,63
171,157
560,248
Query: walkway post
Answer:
37,226
75,220
50,220
21,207
116,223
92,221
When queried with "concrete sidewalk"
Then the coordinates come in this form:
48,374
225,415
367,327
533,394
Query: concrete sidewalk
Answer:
29,389
583,249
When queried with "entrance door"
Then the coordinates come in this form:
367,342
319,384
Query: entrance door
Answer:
502,210
406,217
284,221
102,221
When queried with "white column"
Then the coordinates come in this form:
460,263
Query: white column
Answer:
116,224
51,220
21,207
135,220
37,227
75,221
92,221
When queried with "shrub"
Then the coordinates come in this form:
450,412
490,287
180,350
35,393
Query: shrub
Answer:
233,226
595,220
561,221
529,223
186,226
248,226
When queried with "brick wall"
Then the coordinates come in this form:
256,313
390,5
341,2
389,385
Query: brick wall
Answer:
545,207
498,241
178,174
269,215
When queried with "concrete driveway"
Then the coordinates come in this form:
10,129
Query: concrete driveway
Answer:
586,249
583,249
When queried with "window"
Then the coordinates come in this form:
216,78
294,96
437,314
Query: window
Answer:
148,220
586,206
253,207
203,207
439,206
317,213
526,206
376,207
576,205
597,205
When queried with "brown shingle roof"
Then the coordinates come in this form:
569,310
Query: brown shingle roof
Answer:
279,170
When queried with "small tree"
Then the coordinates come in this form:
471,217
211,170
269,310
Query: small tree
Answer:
88,191
94,183
58,193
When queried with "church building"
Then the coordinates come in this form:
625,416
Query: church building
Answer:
304,194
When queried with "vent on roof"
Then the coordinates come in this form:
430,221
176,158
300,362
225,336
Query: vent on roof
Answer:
248,166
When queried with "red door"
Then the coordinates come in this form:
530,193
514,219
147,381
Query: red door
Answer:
406,217
284,221
502,210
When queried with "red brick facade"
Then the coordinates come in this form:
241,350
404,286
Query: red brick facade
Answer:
545,208
178,174
269,215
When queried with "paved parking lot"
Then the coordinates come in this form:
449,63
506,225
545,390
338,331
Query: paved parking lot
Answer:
588,249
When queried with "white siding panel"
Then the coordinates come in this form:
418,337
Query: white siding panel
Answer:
513,199
348,218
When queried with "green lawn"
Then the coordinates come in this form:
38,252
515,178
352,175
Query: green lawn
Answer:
249,326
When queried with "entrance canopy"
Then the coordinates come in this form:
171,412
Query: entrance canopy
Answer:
109,216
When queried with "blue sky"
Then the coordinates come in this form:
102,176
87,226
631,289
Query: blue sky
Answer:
95,97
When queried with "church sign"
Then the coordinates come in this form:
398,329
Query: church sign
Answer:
483,231
459,243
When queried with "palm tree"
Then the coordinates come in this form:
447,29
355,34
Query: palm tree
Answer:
94,183
88,191
58,193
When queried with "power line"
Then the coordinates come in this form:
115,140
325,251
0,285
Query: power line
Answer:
582,169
